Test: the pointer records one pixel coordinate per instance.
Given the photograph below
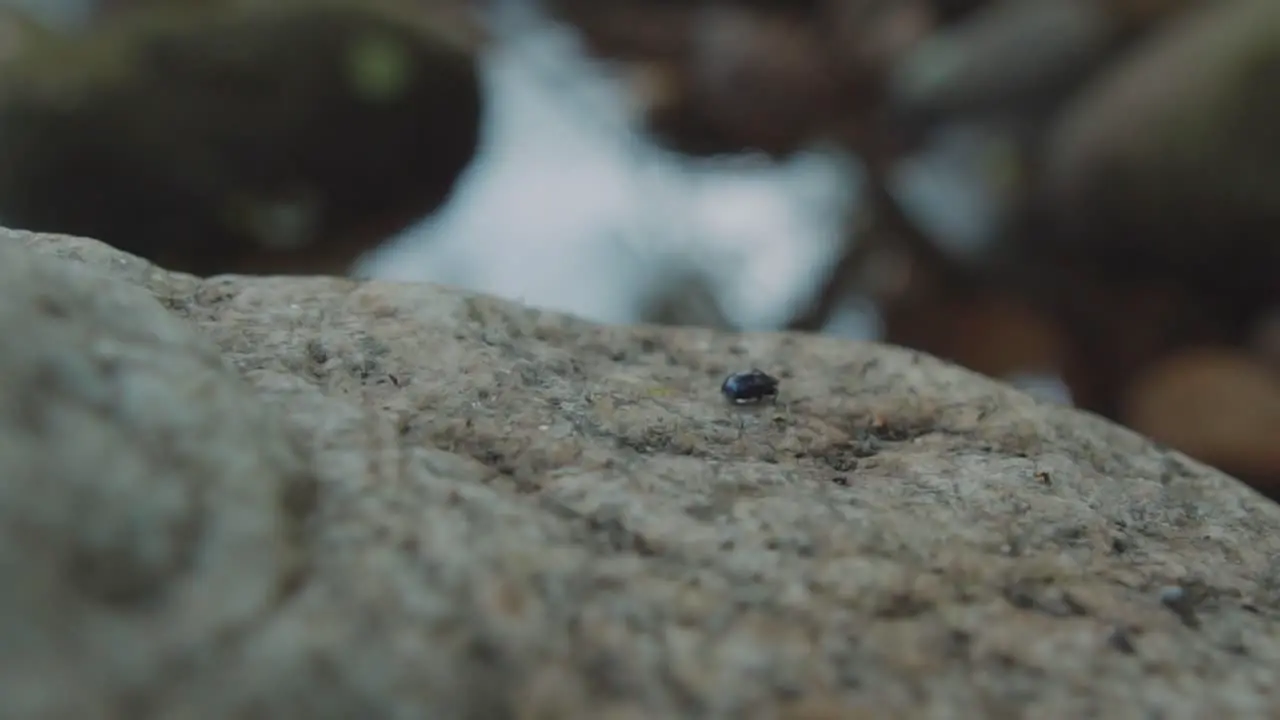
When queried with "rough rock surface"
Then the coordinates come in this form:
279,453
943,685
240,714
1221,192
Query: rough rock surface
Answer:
418,503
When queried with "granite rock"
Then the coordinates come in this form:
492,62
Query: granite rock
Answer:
320,498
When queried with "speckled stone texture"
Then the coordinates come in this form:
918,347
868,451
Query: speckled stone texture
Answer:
419,503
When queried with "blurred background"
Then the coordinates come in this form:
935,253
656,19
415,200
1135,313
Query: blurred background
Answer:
1081,197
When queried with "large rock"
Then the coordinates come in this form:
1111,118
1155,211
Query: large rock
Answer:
1168,166
247,136
417,503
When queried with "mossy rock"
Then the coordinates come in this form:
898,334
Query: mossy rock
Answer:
239,137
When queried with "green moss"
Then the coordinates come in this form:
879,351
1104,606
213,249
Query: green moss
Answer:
379,68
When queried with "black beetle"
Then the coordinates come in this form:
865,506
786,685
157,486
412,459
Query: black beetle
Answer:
749,387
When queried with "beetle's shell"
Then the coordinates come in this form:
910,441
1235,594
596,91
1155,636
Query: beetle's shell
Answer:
752,386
